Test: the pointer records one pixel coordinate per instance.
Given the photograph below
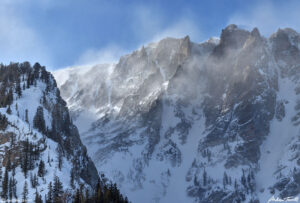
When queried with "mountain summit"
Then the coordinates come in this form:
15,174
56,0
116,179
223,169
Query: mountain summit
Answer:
177,121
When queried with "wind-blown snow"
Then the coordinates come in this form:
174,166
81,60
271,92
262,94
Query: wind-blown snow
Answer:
109,85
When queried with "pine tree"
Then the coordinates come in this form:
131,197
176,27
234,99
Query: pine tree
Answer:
38,120
196,182
8,111
25,157
3,122
57,189
48,159
36,70
59,157
10,97
26,116
225,179
243,179
208,155
1,173
77,197
50,193
14,187
81,193
33,180
41,170
8,163
12,141
18,88
250,183
107,195
204,178
38,197
72,177
44,100
25,192
28,80
86,196
5,184
115,193
235,185
10,193
98,193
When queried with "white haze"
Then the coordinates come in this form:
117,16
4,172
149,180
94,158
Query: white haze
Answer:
108,54
149,25
145,25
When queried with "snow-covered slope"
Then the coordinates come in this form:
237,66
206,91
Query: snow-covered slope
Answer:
38,142
177,121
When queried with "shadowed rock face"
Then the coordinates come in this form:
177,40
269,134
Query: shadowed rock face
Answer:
231,38
185,114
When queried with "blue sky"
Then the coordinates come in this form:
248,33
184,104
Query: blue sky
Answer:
61,33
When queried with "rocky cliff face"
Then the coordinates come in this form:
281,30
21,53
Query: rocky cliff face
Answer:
38,142
177,121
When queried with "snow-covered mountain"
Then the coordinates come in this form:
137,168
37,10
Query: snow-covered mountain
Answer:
177,121
42,156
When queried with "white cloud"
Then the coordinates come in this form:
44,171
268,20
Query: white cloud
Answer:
151,22
269,16
150,26
18,41
179,29
146,22
108,54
